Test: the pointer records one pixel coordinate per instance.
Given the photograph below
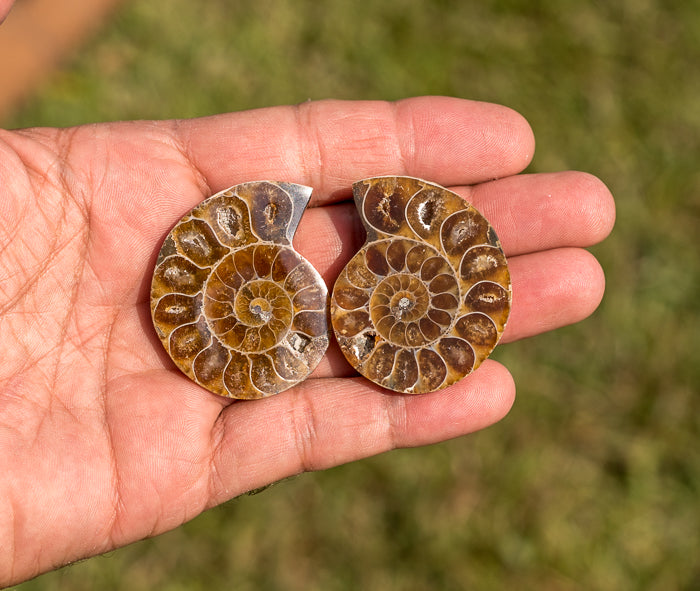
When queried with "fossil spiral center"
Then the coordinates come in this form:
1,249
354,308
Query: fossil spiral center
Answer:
400,307
257,301
403,304
254,317
261,309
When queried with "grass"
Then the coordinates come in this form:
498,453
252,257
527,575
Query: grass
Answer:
593,480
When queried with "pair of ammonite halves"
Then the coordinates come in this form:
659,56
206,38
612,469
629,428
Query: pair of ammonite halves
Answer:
419,307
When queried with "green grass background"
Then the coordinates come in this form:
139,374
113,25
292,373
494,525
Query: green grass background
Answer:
593,480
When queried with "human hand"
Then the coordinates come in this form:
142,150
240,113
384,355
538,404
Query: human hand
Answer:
102,440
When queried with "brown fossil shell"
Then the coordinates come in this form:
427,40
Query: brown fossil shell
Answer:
236,308
426,299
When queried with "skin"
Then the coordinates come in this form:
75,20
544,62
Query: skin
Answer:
5,6
102,440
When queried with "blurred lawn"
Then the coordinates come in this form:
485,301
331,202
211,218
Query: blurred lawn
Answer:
593,481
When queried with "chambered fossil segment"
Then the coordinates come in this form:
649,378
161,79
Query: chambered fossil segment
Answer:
426,299
238,310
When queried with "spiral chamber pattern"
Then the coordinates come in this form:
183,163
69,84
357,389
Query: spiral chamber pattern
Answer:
236,308
426,299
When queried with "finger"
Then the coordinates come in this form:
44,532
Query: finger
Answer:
552,289
324,423
533,212
330,144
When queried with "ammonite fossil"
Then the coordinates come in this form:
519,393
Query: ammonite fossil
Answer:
426,299
238,310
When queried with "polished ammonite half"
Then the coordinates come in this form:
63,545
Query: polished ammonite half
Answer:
426,299
237,309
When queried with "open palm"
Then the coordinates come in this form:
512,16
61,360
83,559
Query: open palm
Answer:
102,440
